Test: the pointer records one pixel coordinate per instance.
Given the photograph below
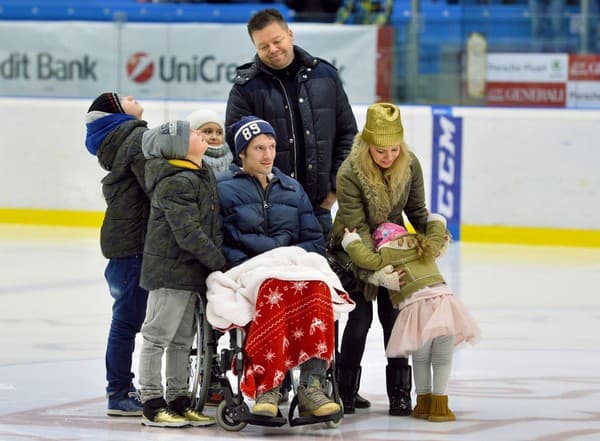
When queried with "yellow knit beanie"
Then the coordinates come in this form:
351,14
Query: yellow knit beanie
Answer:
384,126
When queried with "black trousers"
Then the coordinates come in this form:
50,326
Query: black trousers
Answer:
359,322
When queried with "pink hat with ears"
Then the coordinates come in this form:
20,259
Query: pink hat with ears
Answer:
386,232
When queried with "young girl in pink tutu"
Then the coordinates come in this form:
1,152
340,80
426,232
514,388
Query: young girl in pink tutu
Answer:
432,321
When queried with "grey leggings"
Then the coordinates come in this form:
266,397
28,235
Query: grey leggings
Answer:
434,355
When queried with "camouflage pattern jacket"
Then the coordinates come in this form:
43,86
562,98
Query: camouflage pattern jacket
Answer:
183,243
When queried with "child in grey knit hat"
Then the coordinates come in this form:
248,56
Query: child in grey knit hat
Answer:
183,246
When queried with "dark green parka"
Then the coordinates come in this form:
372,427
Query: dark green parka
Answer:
127,204
364,204
183,243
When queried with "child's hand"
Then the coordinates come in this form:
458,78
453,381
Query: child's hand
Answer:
347,231
388,278
349,237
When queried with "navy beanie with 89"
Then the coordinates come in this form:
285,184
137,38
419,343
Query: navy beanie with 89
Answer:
247,129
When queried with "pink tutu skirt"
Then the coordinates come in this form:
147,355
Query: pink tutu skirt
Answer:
431,312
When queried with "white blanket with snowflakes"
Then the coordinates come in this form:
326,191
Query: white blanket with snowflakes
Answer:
232,294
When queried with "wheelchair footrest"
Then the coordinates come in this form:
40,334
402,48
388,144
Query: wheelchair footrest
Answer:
261,420
301,421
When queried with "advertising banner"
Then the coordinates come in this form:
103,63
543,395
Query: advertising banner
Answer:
584,67
583,87
526,79
543,80
526,94
446,162
527,68
184,61
583,94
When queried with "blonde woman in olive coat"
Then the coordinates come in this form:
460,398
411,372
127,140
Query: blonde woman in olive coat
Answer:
379,182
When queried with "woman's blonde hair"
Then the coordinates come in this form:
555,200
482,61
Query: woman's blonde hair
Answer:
395,177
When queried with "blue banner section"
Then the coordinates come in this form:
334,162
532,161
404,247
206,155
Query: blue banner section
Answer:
446,167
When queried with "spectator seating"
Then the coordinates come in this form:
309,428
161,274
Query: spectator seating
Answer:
128,10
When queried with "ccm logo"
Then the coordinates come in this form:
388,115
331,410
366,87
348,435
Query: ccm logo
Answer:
446,168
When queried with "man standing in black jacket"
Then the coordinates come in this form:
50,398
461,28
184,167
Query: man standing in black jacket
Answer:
304,100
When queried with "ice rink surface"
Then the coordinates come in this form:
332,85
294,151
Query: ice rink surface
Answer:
535,375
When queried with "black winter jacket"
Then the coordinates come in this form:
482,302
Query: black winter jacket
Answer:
328,122
183,244
124,226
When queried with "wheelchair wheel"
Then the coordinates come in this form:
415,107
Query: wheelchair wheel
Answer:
226,421
202,357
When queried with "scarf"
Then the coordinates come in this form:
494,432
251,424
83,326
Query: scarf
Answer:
98,129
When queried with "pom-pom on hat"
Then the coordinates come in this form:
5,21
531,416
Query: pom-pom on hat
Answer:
247,129
383,127
386,232
204,116
108,102
170,140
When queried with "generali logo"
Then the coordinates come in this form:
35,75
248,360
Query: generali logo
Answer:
140,67
526,94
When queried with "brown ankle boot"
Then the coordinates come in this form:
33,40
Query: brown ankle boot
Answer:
423,407
439,411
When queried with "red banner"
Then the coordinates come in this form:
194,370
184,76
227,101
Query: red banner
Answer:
584,67
526,94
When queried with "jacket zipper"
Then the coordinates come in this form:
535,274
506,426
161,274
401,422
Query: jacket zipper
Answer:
264,194
291,118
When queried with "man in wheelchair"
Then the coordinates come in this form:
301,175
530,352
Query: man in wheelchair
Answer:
280,286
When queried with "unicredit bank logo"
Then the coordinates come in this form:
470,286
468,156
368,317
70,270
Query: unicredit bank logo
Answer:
140,67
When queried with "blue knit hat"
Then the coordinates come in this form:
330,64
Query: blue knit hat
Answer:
247,129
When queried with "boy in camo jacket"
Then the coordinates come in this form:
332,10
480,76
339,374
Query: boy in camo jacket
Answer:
183,245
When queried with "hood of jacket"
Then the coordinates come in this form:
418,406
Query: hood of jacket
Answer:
158,169
110,145
380,196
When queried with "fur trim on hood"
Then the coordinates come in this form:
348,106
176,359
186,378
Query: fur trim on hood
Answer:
383,189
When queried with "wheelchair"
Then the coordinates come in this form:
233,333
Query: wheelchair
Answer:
232,413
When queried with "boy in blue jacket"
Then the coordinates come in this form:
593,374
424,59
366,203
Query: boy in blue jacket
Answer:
114,135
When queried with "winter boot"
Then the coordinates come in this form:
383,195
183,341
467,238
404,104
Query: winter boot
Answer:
361,402
348,386
423,406
439,411
399,382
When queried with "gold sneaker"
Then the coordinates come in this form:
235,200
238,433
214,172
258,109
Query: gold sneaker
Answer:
164,417
312,401
197,419
266,404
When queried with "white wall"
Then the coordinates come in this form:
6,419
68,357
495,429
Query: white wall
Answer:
521,167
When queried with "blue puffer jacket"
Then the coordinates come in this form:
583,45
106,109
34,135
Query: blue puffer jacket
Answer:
256,220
